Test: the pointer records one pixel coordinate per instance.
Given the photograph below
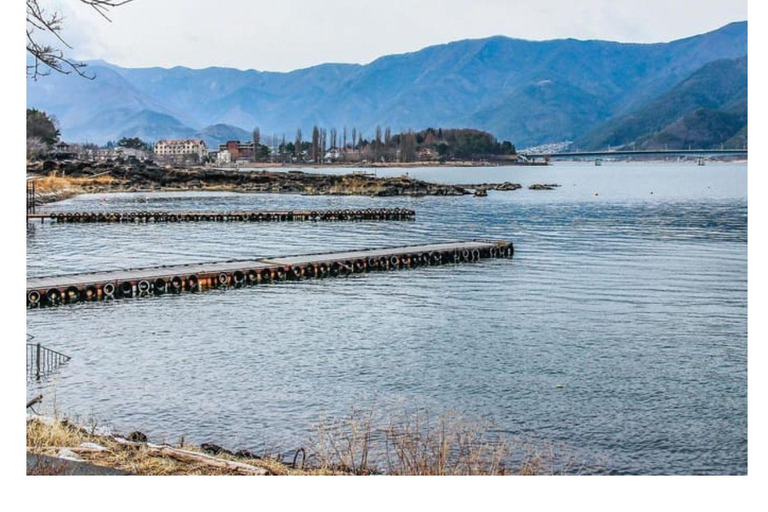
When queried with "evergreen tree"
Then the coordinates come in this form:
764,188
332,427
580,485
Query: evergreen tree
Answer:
42,126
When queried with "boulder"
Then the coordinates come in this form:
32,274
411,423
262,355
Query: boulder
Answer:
137,437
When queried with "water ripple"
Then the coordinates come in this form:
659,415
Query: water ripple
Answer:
636,307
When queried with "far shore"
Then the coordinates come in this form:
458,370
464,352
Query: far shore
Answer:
375,165
55,181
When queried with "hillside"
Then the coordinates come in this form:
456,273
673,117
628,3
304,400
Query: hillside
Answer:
219,133
703,111
525,91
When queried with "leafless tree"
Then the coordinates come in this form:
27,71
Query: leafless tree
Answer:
334,138
407,146
323,139
43,24
315,144
297,145
377,145
36,148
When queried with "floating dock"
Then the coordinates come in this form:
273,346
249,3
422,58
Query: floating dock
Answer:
240,216
198,277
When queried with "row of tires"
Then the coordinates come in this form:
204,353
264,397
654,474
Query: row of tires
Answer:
76,217
250,277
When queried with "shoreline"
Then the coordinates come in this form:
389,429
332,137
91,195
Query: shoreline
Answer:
55,443
376,165
56,181
446,445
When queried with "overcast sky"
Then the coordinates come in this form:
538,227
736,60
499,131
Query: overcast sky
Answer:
282,35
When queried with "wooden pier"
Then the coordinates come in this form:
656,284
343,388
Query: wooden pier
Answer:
198,277
239,216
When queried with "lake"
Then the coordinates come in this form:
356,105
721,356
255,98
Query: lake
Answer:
618,331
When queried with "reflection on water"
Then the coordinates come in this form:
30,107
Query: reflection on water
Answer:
634,304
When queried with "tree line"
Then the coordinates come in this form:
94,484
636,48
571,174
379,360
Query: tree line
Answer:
330,144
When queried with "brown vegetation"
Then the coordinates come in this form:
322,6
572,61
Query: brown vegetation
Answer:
417,444
130,177
361,444
56,188
50,437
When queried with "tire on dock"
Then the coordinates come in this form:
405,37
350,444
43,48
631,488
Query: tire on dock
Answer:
108,291
143,287
90,293
177,284
72,295
159,286
33,298
126,289
53,297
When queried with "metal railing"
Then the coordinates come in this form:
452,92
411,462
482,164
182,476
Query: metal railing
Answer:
42,361
31,199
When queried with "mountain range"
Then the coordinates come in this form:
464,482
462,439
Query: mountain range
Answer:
597,93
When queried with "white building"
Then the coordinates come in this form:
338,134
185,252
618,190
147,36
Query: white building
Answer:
224,157
119,152
180,149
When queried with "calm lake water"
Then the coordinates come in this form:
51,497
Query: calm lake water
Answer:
618,331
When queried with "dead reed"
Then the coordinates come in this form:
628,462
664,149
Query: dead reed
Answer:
417,444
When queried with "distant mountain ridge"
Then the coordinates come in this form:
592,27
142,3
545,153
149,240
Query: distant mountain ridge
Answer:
529,92
707,109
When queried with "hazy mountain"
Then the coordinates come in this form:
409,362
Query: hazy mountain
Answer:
219,133
525,91
704,110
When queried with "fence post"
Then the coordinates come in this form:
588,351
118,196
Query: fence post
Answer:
38,361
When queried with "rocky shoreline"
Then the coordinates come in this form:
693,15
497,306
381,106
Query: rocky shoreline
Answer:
132,177
57,446
67,179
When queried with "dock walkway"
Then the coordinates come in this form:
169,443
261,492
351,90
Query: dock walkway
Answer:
198,277
238,216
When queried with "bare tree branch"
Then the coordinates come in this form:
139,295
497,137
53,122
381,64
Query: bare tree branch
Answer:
46,57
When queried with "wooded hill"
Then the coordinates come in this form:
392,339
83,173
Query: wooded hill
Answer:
528,92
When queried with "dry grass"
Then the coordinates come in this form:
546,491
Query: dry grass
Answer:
416,444
49,437
53,188
58,184
363,443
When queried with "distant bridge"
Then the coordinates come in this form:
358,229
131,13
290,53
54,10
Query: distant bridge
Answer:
639,152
